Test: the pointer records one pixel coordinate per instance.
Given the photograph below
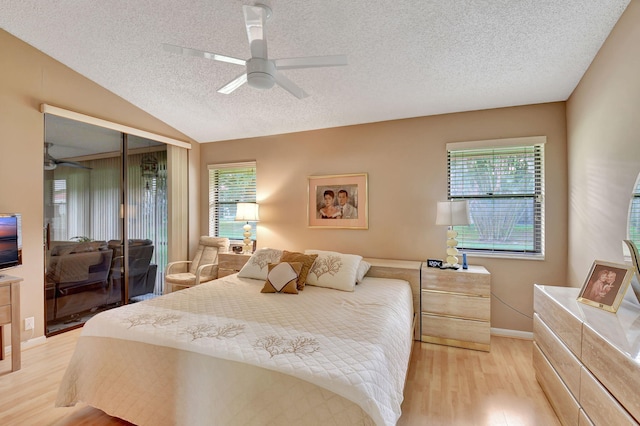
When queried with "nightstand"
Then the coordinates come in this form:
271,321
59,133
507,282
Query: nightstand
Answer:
230,263
455,307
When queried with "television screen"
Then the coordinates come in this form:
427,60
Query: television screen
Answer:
10,240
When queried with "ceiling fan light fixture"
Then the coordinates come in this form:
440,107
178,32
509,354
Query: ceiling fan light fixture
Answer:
260,80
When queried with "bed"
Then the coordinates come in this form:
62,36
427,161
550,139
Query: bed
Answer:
224,353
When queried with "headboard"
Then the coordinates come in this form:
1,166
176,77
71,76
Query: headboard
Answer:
408,270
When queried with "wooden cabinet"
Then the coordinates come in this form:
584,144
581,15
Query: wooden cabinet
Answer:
230,263
10,313
586,359
456,307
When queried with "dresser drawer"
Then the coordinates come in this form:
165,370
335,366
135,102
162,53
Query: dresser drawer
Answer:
619,373
455,329
476,280
5,295
562,359
584,419
565,405
564,324
600,406
5,315
456,305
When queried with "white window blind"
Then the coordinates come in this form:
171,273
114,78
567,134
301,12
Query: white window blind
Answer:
505,188
230,184
634,216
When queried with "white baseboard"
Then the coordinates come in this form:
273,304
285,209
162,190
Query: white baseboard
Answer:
517,334
36,341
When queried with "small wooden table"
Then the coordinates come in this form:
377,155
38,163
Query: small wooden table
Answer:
10,313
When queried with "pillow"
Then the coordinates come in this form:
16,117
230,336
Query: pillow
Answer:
306,260
334,270
257,265
363,268
282,278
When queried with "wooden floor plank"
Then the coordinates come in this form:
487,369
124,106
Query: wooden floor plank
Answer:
445,386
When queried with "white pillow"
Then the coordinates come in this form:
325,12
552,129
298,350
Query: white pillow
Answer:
363,268
333,270
257,267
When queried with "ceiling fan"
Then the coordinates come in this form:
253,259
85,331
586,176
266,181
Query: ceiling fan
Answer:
262,72
51,163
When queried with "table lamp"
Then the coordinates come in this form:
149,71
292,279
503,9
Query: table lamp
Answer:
451,213
247,212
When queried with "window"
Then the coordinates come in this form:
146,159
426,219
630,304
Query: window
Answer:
230,184
634,215
504,183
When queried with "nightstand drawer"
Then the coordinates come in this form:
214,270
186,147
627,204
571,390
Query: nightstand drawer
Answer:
457,305
451,330
474,281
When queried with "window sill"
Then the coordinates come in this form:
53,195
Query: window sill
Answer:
515,256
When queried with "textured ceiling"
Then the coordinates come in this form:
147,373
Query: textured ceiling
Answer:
406,58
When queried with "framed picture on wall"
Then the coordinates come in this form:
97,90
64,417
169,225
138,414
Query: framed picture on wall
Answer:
338,201
606,285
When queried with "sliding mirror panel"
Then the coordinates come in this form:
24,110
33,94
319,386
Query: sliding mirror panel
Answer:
105,220
82,216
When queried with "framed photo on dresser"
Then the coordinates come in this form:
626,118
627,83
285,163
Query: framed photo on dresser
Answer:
606,285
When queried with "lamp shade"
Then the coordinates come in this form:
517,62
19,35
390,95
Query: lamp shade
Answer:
247,212
453,212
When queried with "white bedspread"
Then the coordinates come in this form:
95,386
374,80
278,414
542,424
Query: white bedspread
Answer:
356,345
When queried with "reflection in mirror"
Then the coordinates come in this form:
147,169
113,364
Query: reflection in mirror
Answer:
86,270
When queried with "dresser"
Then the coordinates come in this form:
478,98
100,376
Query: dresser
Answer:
587,360
455,307
10,314
230,263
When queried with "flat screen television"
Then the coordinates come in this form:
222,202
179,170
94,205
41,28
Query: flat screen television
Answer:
10,240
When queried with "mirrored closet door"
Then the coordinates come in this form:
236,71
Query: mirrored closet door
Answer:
105,220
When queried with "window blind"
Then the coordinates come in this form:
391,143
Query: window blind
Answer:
634,216
230,184
505,189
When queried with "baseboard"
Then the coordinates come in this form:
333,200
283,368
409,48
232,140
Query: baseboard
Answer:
36,341
516,334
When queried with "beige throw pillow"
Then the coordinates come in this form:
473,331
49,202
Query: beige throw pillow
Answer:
306,260
282,278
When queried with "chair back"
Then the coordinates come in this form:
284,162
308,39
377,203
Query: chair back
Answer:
207,253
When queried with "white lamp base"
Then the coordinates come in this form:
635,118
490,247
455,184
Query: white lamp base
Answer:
452,251
247,249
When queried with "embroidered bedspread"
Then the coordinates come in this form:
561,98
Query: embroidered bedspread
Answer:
354,344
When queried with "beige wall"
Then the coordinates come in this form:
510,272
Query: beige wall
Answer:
407,167
27,79
603,125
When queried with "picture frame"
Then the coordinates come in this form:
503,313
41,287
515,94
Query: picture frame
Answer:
606,285
338,201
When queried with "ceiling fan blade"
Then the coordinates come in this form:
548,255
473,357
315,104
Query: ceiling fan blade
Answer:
254,19
202,54
233,84
72,164
310,62
290,86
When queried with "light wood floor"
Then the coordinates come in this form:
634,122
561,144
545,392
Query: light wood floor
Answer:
445,386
